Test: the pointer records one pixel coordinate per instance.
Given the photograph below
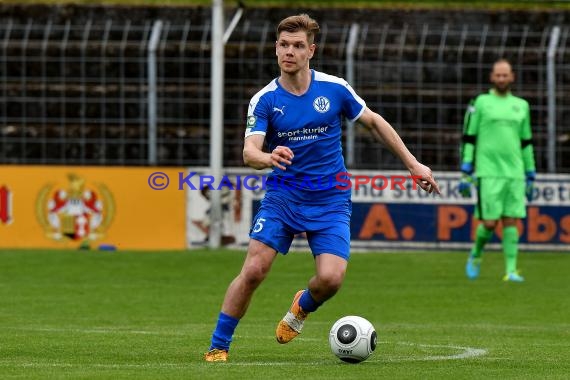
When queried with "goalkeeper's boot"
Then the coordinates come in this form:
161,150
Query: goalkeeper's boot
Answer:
513,277
292,323
473,267
216,355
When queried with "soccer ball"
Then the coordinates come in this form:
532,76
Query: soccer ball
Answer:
352,339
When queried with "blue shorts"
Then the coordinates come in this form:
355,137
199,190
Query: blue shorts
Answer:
327,226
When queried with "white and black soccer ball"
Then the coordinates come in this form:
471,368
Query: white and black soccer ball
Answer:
352,339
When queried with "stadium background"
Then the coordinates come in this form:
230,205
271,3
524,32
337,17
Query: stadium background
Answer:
77,95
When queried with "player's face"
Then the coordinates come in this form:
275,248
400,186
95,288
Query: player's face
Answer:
293,51
502,76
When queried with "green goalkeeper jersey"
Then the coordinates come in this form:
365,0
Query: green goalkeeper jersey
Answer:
497,137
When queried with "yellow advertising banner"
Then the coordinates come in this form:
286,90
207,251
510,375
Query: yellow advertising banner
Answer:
76,206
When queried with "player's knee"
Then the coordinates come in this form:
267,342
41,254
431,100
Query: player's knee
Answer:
509,222
254,273
331,281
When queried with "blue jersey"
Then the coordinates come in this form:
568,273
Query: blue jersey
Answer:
310,125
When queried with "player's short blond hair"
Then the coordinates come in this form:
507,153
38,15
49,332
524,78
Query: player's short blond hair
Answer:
301,22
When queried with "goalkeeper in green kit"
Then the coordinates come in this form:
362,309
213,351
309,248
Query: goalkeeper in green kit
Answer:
497,157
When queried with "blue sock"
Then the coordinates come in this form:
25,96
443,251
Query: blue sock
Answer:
308,303
222,336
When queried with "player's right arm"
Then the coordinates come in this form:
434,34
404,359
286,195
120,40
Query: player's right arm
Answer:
255,157
256,129
470,131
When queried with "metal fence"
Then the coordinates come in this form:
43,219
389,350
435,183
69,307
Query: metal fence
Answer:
78,93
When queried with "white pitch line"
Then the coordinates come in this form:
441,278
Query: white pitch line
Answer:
465,352
468,352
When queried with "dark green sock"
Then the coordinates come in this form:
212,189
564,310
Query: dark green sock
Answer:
482,236
510,248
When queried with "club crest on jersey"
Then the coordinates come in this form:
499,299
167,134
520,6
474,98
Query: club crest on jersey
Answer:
321,104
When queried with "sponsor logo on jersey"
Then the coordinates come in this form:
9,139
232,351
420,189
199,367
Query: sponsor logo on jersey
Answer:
251,121
280,110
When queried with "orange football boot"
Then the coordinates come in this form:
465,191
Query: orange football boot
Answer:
292,323
216,355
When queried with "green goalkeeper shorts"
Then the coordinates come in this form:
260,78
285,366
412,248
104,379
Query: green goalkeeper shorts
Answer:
500,197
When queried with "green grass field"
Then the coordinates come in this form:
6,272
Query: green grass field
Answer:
86,315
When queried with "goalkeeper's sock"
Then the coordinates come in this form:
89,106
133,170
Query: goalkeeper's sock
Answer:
222,336
510,248
308,303
482,236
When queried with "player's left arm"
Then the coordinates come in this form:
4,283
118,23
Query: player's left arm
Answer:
384,132
527,144
528,154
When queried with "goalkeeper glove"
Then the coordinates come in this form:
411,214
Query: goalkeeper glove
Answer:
465,185
467,168
466,179
530,177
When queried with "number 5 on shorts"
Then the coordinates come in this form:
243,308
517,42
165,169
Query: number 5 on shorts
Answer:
258,224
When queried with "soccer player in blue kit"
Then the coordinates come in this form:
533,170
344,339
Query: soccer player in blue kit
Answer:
299,116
